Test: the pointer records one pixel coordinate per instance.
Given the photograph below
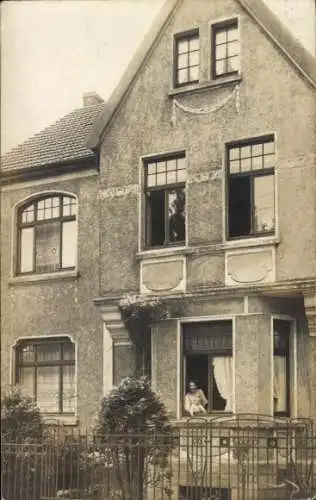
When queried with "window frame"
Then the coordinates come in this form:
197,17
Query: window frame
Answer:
264,172
178,37
224,352
287,355
166,188
35,364
61,219
215,28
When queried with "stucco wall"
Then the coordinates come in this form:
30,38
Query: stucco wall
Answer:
57,306
142,127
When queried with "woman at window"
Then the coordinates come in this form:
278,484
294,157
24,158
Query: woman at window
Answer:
195,400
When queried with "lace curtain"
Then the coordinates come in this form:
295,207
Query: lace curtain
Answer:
223,374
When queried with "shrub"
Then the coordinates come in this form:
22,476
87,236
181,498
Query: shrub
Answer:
133,423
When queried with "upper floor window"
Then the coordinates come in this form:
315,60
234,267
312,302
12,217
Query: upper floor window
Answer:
251,208
165,200
281,366
45,369
47,235
225,48
208,373
187,58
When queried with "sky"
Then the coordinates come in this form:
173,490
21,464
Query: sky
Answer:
52,51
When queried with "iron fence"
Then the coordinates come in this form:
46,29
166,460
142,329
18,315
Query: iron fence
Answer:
244,457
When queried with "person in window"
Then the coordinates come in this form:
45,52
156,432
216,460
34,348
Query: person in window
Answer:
177,218
195,400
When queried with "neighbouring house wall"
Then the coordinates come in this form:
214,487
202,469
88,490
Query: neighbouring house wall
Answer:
57,305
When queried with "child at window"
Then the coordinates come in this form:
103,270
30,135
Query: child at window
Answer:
195,400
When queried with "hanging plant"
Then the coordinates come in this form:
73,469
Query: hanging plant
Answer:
139,312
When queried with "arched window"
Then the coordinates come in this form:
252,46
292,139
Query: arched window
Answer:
45,369
47,235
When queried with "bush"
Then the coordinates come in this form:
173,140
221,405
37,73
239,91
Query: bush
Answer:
133,423
21,431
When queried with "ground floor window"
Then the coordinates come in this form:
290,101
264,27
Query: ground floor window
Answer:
45,369
207,367
281,366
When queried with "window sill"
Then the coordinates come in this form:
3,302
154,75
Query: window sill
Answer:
34,278
161,252
252,242
202,86
60,419
208,249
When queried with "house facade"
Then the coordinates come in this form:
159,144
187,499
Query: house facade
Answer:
207,196
50,335
195,183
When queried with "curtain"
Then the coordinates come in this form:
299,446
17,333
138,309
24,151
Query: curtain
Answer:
279,384
224,379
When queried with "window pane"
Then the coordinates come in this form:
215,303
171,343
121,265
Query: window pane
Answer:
28,214
27,354
221,37
161,179
48,387
182,61
280,384
151,180
234,153
48,247
257,163
234,167
183,46
223,383
221,52
264,203
26,380
232,64
268,147
183,76
68,351
48,351
194,44
268,161
245,152
194,73
171,177
194,59
233,49
257,150
161,167
68,389
181,175
176,203
27,249
232,34
69,244
220,67
245,164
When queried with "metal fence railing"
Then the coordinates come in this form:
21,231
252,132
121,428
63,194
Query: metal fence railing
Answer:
239,458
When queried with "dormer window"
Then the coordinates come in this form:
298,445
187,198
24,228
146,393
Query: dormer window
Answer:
47,235
226,48
187,58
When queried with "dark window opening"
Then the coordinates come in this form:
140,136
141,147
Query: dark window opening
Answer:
187,58
251,208
208,353
165,202
281,365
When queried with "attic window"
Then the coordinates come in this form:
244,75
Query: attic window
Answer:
225,48
187,58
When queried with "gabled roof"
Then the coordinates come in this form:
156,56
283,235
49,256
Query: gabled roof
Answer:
62,142
274,29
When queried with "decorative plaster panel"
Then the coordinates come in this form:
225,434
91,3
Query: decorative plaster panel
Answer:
167,274
250,266
118,191
310,311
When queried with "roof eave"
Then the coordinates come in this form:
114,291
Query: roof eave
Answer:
131,73
12,175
